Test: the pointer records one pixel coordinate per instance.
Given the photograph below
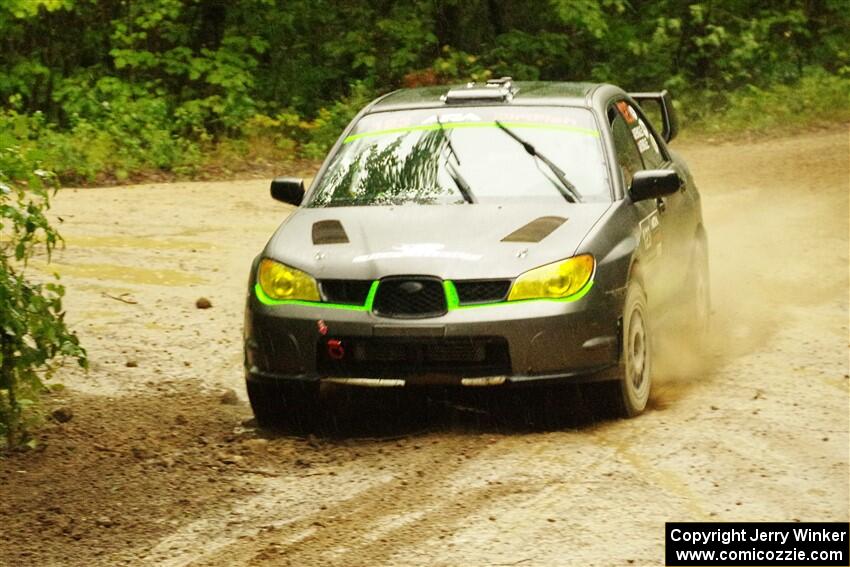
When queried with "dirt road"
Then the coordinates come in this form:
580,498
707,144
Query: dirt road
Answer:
158,467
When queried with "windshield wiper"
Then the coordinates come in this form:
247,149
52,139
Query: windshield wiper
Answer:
453,172
567,189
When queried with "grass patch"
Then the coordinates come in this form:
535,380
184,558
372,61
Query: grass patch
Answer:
818,100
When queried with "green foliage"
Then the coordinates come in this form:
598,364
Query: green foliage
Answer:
33,334
109,88
818,99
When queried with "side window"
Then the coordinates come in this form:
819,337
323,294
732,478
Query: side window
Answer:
648,145
628,156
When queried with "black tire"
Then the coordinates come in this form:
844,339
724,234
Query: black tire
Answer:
292,406
628,396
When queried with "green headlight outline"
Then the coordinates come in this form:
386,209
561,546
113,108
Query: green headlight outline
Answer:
452,299
367,306
452,125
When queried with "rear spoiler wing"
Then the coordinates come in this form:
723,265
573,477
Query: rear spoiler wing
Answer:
670,123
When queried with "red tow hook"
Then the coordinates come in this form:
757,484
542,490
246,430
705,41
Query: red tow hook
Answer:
335,349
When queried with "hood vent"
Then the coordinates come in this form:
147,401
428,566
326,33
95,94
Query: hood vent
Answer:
329,232
536,230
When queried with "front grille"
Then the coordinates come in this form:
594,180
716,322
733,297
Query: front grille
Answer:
470,292
374,357
410,298
349,292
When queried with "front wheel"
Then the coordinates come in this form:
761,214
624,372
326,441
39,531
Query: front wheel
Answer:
628,396
637,353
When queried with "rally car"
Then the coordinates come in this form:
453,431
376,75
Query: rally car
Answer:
484,235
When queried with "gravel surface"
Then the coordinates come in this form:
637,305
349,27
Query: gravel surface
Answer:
152,458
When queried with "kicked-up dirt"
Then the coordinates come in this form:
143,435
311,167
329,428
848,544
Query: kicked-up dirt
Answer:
160,464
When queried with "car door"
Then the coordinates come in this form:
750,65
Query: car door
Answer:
622,121
675,210
673,235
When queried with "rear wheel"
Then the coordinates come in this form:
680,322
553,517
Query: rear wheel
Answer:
286,405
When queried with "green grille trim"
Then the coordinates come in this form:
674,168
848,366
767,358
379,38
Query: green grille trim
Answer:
452,299
370,297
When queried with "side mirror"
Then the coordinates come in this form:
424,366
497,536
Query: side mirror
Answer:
288,190
654,183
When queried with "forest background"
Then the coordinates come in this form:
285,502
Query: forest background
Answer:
115,91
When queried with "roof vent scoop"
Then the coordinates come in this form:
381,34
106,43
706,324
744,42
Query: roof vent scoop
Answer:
494,90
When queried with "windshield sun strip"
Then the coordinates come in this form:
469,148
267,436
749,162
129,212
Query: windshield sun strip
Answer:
452,125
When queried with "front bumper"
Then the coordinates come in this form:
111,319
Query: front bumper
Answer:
510,343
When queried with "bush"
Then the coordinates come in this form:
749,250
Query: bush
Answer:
33,336
817,99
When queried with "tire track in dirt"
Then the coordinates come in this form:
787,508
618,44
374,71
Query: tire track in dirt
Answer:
351,508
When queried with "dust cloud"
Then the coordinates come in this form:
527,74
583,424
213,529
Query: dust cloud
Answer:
777,219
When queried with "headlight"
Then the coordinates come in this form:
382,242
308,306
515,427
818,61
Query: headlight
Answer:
554,281
282,282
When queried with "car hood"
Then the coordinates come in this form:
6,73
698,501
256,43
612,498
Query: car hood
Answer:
446,241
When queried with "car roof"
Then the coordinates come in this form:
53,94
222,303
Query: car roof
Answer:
534,93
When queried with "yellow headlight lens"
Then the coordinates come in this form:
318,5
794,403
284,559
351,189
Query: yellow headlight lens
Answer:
282,282
554,281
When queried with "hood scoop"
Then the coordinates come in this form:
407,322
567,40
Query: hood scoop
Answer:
329,232
536,230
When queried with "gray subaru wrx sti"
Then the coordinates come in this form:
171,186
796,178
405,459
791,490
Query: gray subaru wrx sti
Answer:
484,235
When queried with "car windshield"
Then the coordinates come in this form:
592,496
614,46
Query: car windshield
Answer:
462,155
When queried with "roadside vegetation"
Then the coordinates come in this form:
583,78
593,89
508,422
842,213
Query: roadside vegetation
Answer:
33,336
109,91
